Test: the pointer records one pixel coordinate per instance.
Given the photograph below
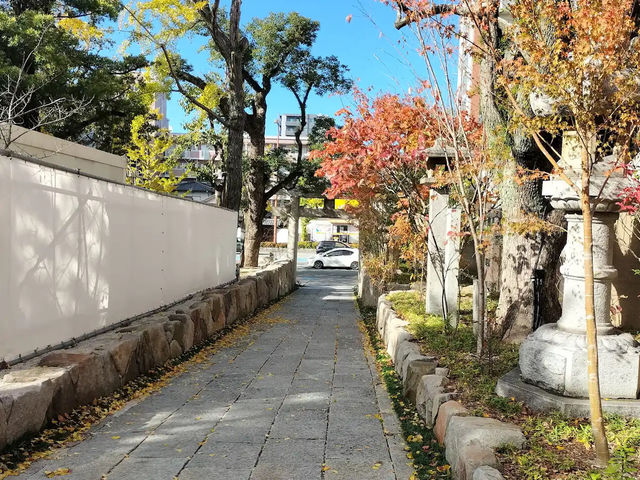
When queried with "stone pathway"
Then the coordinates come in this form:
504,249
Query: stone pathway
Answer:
298,399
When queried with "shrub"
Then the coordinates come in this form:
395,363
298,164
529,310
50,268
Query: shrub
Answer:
273,245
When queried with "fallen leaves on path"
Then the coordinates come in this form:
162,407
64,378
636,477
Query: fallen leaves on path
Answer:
70,427
57,473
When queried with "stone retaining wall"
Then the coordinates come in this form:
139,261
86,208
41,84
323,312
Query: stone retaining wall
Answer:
369,291
469,441
36,391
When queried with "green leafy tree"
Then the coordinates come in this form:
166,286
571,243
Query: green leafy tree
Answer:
50,54
218,99
274,40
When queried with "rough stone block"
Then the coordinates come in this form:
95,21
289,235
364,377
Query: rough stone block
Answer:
469,442
248,296
368,291
391,323
156,343
437,400
200,313
123,355
230,305
472,457
402,352
382,309
271,277
447,411
394,337
414,368
487,473
442,371
175,349
262,290
218,317
25,397
382,315
429,386
184,330
283,281
93,374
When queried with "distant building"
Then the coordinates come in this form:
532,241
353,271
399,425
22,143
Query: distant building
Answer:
333,229
206,156
198,191
290,122
468,70
287,143
160,105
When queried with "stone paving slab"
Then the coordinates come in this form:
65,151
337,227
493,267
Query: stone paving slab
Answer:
295,399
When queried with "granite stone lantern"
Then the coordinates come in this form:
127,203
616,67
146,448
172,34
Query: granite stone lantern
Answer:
554,357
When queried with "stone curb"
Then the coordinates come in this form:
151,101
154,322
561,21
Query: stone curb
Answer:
469,441
55,383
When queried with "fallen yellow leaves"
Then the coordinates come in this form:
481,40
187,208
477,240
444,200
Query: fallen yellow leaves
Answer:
57,473
70,427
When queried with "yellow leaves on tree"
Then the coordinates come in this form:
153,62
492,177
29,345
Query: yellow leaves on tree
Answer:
81,30
175,17
149,165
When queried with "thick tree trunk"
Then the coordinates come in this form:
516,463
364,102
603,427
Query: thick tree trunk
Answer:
519,252
523,253
253,230
232,193
255,183
254,215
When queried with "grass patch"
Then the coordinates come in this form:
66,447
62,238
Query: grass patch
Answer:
557,447
423,448
455,349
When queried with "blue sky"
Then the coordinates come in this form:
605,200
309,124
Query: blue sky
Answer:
369,45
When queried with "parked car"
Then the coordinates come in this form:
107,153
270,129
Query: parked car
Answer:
338,257
326,245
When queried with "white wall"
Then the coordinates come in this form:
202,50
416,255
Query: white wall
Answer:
78,254
68,154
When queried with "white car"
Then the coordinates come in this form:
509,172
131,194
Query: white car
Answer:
338,257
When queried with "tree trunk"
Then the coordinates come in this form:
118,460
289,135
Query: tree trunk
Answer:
255,182
253,217
481,339
523,253
232,193
519,252
292,226
595,402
